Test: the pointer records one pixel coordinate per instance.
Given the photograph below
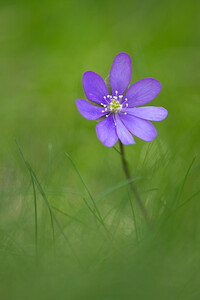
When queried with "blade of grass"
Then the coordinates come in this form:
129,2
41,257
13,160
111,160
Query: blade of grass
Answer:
188,200
34,179
84,183
134,217
91,210
109,191
184,182
116,187
117,215
48,165
99,217
53,233
36,224
67,215
116,150
53,217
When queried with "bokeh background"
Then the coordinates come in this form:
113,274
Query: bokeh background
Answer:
45,47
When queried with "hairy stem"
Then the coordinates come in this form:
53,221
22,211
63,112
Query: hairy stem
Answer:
132,186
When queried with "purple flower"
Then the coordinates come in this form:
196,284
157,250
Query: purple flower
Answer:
122,115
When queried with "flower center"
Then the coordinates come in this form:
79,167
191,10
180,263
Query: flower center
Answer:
114,106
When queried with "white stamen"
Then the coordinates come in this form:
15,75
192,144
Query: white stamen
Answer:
107,116
126,104
103,111
106,109
121,96
104,105
114,97
116,92
108,96
125,113
126,99
104,97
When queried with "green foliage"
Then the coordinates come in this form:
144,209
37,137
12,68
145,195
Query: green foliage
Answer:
102,247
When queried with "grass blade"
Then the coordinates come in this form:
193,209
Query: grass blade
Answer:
184,181
53,217
99,218
188,200
133,215
67,215
116,187
36,224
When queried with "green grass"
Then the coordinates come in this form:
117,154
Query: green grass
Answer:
72,229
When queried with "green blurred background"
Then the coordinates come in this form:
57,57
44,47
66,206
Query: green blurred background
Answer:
45,47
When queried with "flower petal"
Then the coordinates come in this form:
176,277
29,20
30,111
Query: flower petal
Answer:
106,131
89,111
124,135
142,92
120,74
141,128
152,113
94,87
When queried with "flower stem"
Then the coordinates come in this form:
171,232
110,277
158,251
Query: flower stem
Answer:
132,186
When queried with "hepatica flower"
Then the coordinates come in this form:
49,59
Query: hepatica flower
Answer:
123,116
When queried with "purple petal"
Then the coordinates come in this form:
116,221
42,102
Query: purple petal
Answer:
124,135
106,131
142,92
89,111
94,87
120,74
151,113
141,128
